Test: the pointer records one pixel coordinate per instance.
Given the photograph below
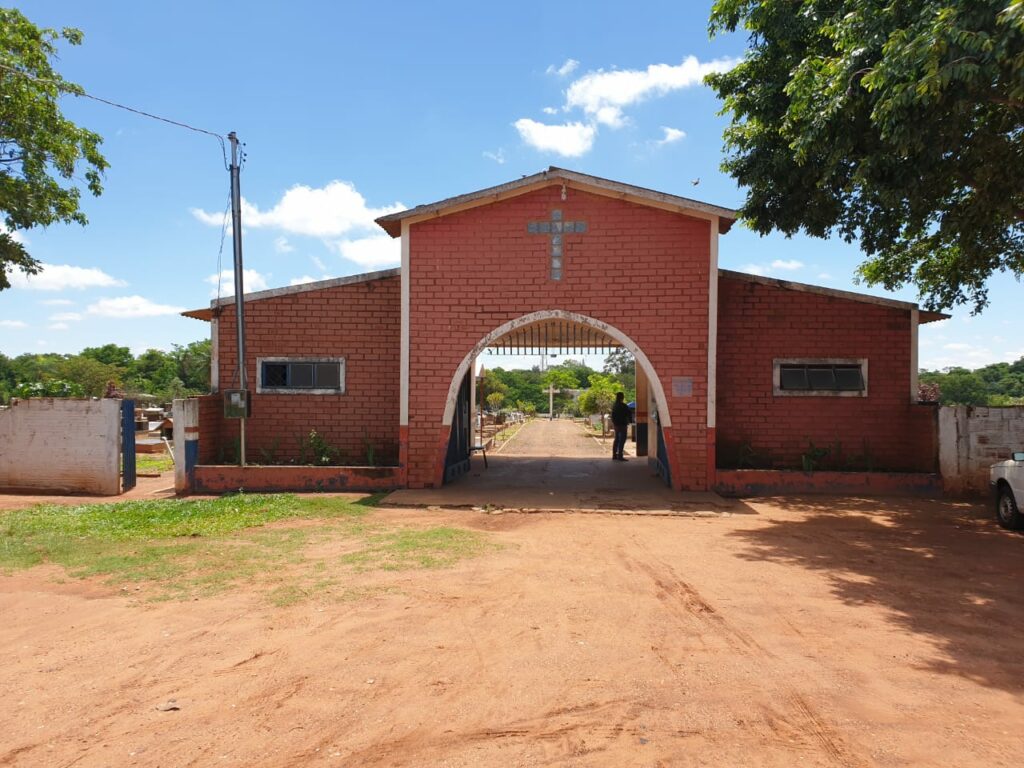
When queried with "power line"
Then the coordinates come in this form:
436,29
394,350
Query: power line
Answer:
64,87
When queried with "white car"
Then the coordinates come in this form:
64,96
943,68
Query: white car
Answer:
1007,479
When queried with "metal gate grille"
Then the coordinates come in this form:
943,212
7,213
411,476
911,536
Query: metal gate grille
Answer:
128,445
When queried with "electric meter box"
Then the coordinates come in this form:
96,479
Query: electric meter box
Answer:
237,404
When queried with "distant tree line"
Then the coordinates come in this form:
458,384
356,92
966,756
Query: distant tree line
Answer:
526,390
996,384
154,374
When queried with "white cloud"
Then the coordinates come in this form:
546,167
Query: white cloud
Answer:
58,326
64,317
957,347
789,266
16,236
670,136
603,95
318,263
569,140
251,281
57,302
131,306
764,270
13,324
281,245
371,252
60,277
330,211
824,276
550,110
566,69
498,157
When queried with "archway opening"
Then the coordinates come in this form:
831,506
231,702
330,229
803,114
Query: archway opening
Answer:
535,397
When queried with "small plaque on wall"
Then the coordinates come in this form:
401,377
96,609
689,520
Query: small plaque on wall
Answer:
682,386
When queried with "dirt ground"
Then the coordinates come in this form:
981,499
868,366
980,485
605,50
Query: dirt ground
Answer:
813,632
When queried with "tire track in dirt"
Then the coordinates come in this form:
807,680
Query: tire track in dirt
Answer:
687,605
575,731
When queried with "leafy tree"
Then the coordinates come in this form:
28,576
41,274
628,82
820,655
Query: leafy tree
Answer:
559,378
620,361
51,388
622,364
898,124
38,146
494,400
579,370
110,354
963,387
193,364
601,394
90,374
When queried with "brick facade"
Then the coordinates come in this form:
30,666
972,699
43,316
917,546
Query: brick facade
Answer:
360,322
642,270
758,323
639,268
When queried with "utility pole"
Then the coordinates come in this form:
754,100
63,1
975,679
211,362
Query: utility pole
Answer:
236,238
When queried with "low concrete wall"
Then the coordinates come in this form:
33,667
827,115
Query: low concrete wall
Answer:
776,482
61,446
971,439
226,478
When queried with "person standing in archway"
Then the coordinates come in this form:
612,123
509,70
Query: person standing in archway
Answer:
621,418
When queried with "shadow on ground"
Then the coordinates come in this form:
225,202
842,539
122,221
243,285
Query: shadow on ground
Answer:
942,569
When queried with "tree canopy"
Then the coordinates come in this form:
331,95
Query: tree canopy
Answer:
996,384
39,147
895,124
185,370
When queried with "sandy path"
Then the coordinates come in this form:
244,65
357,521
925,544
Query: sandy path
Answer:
555,437
818,633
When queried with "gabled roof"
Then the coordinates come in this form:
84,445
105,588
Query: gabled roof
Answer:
926,316
207,313
392,223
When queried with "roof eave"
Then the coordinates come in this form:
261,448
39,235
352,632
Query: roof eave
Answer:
217,304
924,316
392,223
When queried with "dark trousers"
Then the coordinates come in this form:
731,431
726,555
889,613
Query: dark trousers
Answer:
619,443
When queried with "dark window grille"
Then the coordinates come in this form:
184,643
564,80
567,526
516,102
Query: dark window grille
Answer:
821,378
301,375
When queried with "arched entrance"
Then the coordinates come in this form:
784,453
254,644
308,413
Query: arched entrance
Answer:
562,329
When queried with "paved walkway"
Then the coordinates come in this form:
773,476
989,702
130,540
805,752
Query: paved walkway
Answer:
557,465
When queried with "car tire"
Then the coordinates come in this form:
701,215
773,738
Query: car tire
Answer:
1007,512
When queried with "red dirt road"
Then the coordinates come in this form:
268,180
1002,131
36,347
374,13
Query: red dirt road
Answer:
816,633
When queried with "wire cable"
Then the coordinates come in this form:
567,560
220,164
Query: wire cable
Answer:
65,87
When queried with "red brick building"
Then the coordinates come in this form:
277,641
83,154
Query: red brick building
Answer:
732,369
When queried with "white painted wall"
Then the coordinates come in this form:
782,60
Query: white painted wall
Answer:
971,439
52,444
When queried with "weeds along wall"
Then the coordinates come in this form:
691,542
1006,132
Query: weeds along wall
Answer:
759,323
359,322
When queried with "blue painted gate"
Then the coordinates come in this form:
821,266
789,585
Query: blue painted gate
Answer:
128,445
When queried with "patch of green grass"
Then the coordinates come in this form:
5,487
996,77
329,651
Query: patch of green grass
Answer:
153,463
197,547
168,540
408,548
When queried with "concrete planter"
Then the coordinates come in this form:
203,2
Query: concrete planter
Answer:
775,482
257,479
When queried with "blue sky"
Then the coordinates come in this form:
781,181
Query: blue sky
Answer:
350,110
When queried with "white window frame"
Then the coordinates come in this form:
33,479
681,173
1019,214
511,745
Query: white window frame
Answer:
778,391
262,390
